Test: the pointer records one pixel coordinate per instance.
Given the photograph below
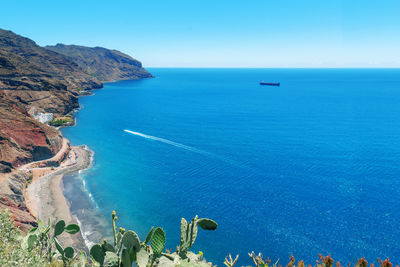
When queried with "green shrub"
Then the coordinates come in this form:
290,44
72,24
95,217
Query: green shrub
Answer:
11,251
60,121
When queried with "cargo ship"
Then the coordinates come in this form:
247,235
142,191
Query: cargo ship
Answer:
270,84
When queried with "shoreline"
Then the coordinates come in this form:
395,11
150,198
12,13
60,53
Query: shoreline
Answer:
45,197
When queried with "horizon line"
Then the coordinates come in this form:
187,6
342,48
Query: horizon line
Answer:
169,67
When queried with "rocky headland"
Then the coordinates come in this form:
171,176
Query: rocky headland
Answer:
46,81
104,64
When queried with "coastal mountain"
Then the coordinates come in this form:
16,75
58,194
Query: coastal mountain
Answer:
32,79
102,63
41,79
36,80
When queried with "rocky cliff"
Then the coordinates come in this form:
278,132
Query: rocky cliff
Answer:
23,139
12,198
104,64
36,79
40,78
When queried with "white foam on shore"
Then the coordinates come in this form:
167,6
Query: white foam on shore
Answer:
86,190
88,193
87,229
91,156
84,234
82,171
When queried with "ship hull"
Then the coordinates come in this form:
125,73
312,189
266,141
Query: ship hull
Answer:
270,84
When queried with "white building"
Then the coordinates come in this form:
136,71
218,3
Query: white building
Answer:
43,117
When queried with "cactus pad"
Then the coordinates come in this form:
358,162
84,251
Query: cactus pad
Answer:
107,247
148,237
69,252
131,240
125,258
142,258
32,241
188,236
58,247
158,241
59,228
97,253
72,229
207,224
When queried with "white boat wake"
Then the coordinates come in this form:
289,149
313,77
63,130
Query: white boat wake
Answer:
170,143
189,148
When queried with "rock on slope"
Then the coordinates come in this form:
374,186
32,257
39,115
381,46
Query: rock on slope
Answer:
104,64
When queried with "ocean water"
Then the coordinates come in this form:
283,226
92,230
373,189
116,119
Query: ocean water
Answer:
310,167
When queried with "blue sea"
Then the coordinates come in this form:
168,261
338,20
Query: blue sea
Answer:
310,167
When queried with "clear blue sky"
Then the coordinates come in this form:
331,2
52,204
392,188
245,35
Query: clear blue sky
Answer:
220,33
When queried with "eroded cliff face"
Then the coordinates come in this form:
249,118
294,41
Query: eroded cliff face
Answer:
11,198
40,78
34,79
31,79
104,64
23,139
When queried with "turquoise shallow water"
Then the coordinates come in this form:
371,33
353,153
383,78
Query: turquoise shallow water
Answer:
309,167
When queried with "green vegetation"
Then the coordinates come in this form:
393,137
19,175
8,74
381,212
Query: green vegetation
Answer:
29,180
12,252
127,247
62,121
41,247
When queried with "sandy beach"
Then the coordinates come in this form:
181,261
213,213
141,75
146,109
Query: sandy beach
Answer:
45,198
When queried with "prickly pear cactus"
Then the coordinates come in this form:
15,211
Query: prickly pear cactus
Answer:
98,254
188,236
142,258
128,248
207,224
148,237
131,240
189,233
